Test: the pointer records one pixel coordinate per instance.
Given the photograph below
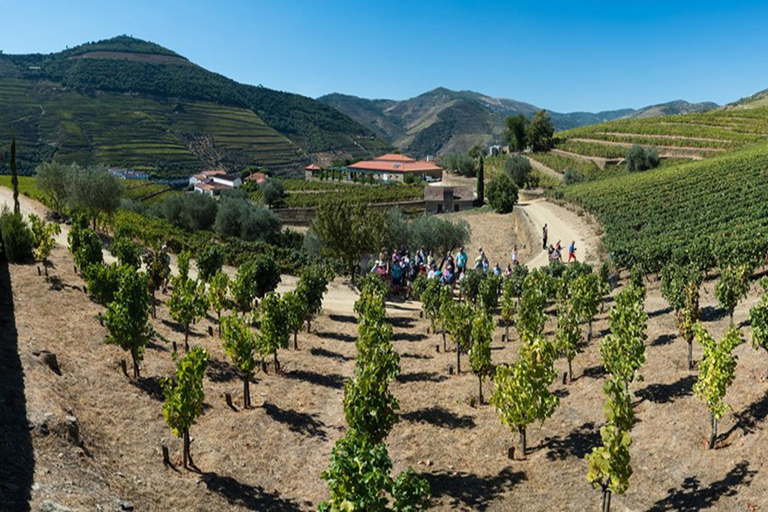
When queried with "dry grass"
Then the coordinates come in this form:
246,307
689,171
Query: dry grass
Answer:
271,457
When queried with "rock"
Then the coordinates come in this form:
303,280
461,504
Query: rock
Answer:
70,428
50,506
49,359
124,505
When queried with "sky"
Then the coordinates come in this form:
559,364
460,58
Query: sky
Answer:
565,56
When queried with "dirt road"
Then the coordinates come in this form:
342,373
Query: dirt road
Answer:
563,225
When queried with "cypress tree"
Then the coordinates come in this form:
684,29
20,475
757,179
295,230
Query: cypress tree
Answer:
481,183
14,177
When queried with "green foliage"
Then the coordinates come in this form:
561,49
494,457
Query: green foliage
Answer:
273,193
518,168
127,317
568,338
18,239
254,279
43,236
240,345
184,394
182,262
502,193
209,262
439,234
618,404
674,280
480,182
103,281
158,268
758,320
609,465
126,251
717,370
470,285
488,292
623,351
275,332
217,293
53,180
521,395
515,133
480,351
191,212
238,217
539,133
530,310
639,158
94,191
459,322
732,287
646,222
312,285
586,291
188,303
459,163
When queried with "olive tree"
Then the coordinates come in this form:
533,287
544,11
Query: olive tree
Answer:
52,178
95,191
184,397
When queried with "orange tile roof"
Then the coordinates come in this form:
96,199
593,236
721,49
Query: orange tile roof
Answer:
312,167
205,186
389,166
257,177
213,172
392,157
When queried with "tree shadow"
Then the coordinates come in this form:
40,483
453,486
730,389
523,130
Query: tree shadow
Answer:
421,377
408,355
747,420
578,443
401,322
712,314
561,392
594,372
151,386
155,346
347,319
659,312
248,496
18,469
221,371
332,380
178,328
440,417
664,339
338,336
667,393
470,490
302,423
691,497
317,351
408,336
57,285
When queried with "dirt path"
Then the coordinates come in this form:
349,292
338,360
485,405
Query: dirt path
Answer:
563,225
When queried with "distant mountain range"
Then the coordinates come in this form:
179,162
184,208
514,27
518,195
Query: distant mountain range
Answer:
125,102
443,121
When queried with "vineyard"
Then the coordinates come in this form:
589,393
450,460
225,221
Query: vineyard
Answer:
705,212
358,194
692,136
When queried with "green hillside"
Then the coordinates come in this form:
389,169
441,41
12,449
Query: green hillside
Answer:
443,121
126,102
704,212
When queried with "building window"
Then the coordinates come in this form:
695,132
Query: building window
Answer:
439,208
455,207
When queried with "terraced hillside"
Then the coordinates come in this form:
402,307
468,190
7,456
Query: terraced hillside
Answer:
127,102
693,136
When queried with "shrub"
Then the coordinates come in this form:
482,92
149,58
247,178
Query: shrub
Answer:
16,237
189,211
273,193
572,176
438,234
519,169
460,163
238,217
210,261
639,158
502,193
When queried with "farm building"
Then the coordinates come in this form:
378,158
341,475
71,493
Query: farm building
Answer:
213,182
204,176
448,199
387,168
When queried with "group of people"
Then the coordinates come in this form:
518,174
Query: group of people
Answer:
402,268
555,252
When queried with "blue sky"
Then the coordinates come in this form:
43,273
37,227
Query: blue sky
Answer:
565,56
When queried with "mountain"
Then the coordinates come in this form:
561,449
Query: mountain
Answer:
442,121
759,99
131,103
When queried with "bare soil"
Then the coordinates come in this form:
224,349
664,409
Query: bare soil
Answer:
271,457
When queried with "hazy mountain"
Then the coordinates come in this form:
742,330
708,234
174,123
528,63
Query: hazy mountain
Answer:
442,121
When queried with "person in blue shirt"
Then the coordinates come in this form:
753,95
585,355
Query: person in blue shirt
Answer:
461,260
572,251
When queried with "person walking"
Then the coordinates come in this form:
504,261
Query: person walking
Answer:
544,235
461,260
514,255
572,251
